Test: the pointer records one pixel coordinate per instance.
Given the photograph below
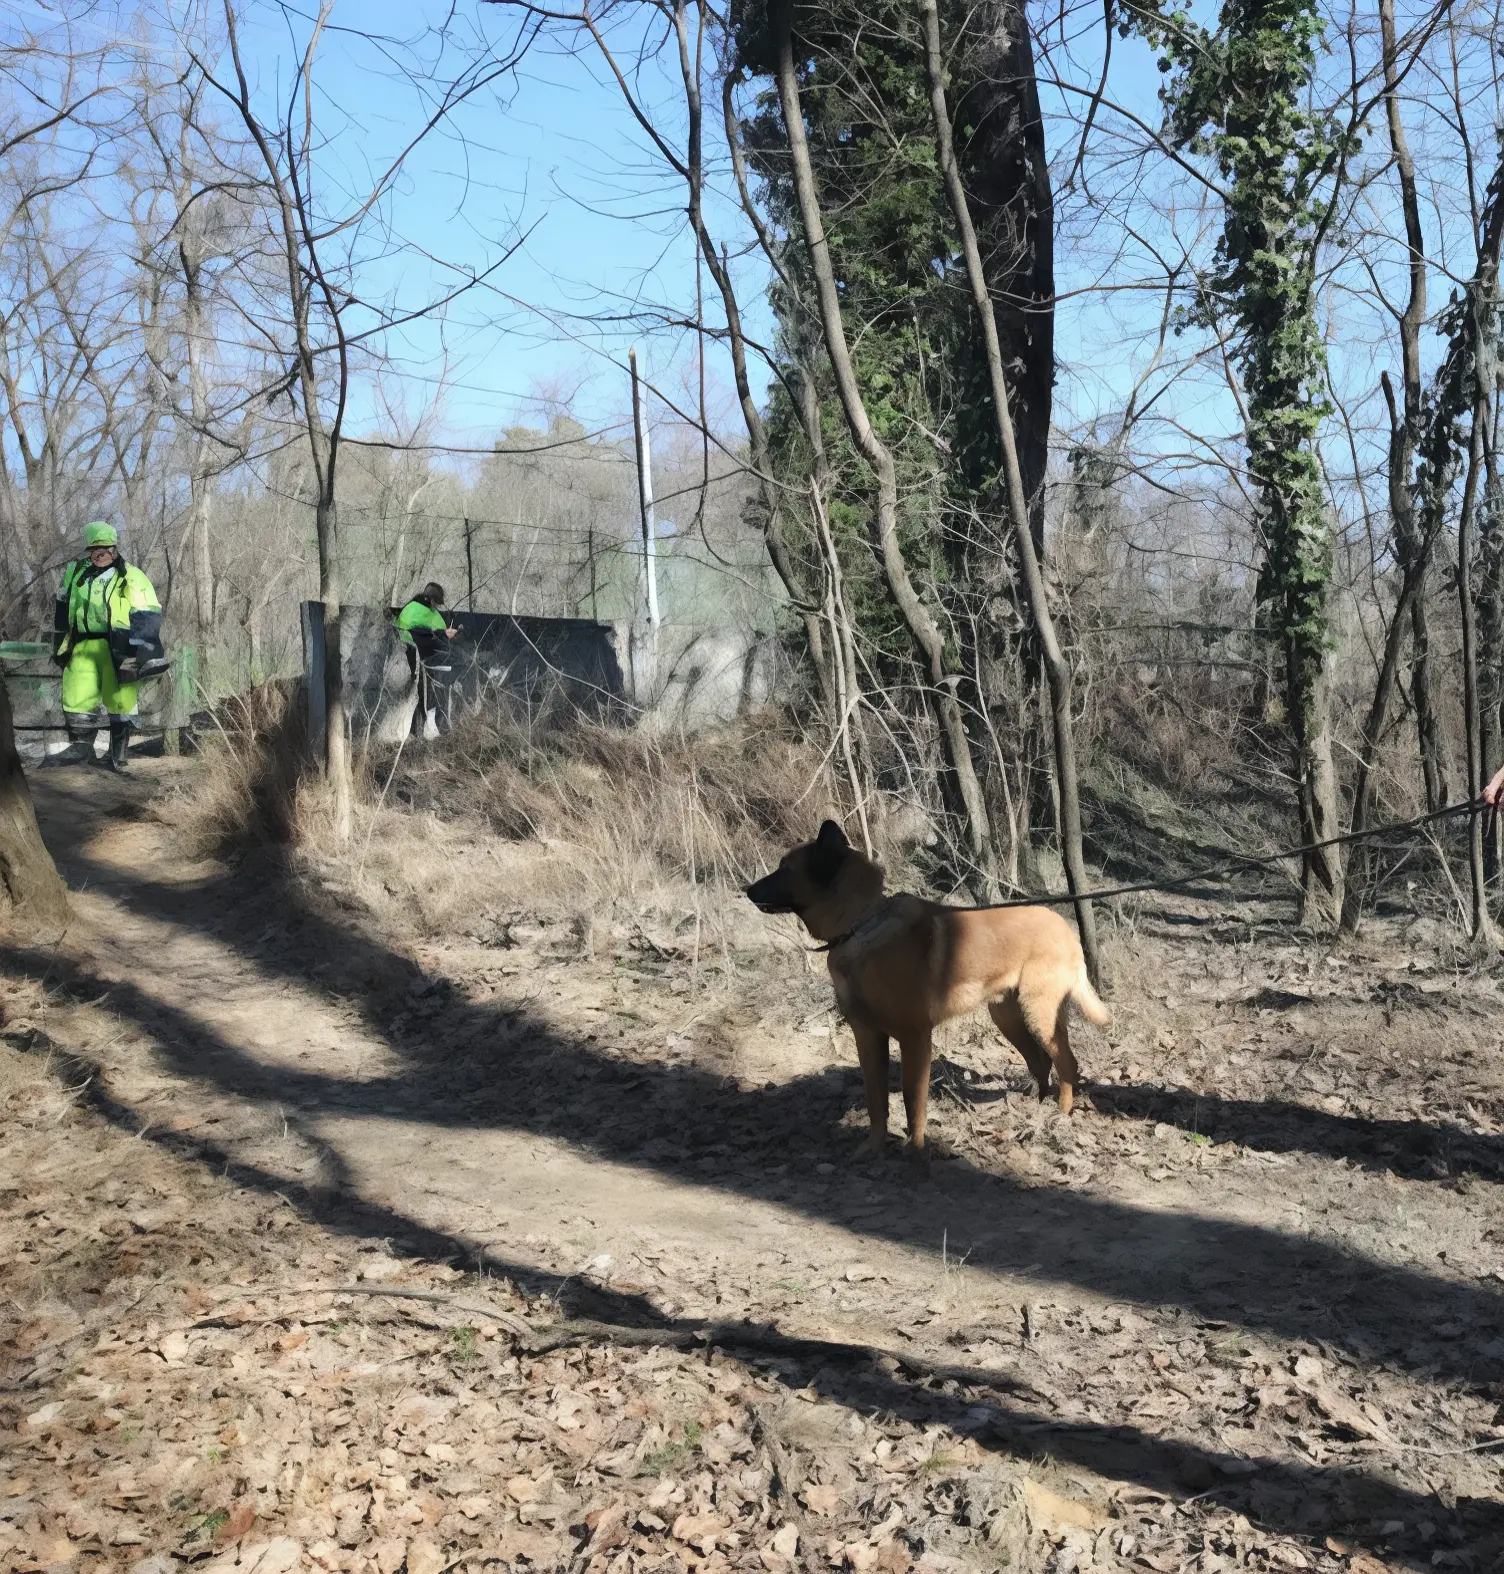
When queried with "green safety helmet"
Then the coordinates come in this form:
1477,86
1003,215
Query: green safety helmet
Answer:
100,534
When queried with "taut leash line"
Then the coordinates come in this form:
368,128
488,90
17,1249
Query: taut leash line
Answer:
1239,861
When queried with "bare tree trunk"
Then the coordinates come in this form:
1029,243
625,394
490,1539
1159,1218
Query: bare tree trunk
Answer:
304,275
31,893
843,647
845,670
1414,559
1057,670
1412,546
1483,932
757,437
336,728
922,629
1308,700
194,328
1427,726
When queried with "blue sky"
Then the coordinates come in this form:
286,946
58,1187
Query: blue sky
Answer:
548,160
551,159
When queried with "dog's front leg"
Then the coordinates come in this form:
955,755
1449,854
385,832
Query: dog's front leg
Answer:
916,1053
872,1051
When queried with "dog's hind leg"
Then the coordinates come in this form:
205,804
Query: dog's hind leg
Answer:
1009,1019
872,1051
916,1051
1045,1014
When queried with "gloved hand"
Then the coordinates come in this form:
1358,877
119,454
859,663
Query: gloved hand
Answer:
126,671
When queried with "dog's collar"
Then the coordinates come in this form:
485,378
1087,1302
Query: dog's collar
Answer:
856,929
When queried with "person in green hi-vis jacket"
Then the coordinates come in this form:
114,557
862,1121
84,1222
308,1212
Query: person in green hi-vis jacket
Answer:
425,636
107,637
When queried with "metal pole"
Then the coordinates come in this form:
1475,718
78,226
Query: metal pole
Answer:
469,570
645,494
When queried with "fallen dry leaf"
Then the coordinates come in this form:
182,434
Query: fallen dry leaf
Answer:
280,1556
537,1546
698,1530
893,1557
821,1499
608,1526
173,1347
389,1554
239,1521
424,1556
52,1550
1341,1410
786,1541
1049,1511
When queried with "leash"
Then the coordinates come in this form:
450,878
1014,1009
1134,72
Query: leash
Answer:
1194,876
1238,861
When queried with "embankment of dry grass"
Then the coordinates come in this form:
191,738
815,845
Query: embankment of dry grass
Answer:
583,823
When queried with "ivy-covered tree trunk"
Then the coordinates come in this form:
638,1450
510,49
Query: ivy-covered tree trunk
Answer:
1241,95
915,352
1013,207
1000,148
927,640
1488,595
1057,669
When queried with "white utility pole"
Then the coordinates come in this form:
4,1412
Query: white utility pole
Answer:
645,493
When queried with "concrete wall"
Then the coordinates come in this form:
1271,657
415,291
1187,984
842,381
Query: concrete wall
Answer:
685,679
678,678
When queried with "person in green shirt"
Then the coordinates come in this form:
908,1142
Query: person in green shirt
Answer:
107,636
425,636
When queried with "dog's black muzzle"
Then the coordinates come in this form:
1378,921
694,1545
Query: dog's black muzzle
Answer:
770,894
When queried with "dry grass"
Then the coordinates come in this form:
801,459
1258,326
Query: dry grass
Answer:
588,823
580,822
249,790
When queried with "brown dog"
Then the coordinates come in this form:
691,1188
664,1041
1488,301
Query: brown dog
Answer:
902,965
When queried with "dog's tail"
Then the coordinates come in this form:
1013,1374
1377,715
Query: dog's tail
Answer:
1088,1002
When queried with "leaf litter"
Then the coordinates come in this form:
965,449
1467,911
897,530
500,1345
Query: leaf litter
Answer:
196,1376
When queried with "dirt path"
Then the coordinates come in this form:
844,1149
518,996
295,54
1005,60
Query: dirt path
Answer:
1265,1273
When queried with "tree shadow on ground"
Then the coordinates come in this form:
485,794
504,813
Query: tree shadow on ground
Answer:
473,1066
468,1065
1281,1496
1414,1149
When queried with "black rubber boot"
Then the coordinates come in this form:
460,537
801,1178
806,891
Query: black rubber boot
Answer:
80,750
120,744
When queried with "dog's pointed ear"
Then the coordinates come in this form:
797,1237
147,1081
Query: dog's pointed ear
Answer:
830,848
